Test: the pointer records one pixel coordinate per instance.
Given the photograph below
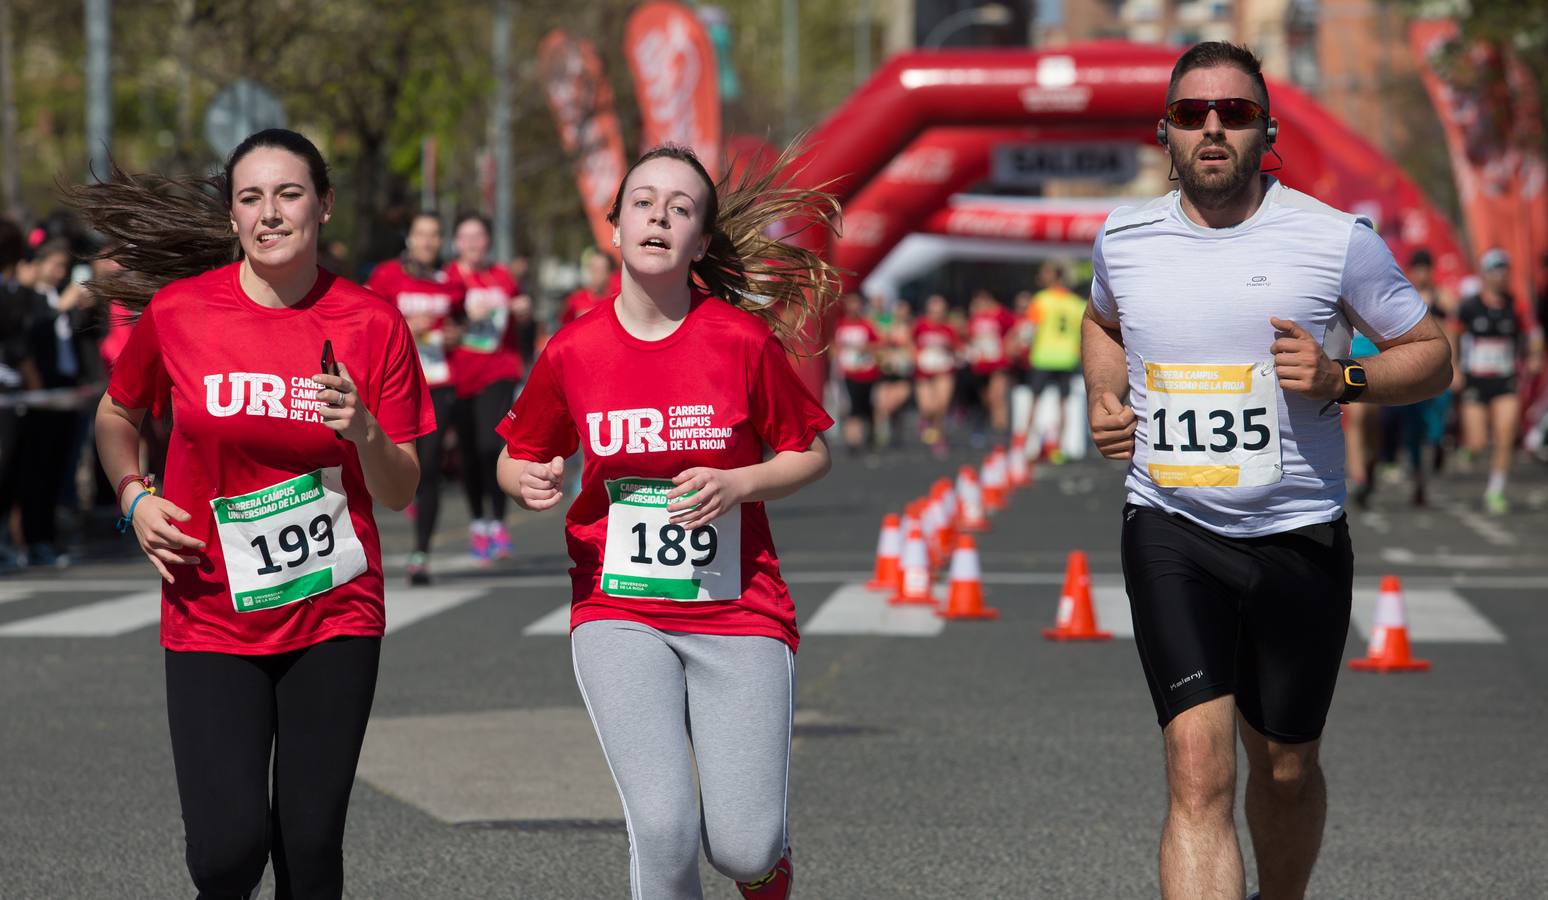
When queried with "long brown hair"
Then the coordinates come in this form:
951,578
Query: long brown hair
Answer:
785,285
161,228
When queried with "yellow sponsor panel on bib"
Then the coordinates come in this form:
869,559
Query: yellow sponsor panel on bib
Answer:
1194,476
1199,379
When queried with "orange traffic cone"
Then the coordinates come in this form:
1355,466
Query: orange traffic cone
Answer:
889,552
931,518
970,500
966,599
994,480
1077,617
915,586
1388,650
1020,470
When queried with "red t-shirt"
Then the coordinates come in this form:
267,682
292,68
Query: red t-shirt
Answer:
855,341
488,350
437,298
935,348
986,340
713,393
580,302
238,377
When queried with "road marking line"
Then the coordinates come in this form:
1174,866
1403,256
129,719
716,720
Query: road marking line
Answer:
1489,530
105,618
1111,602
406,607
556,623
1402,556
1435,616
854,609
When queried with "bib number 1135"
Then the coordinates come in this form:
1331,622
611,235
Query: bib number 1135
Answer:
1212,425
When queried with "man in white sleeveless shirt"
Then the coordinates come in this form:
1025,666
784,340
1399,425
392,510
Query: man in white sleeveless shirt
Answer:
1215,339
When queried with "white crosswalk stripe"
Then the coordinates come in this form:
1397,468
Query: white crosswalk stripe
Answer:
555,623
1435,616
407,606
104,618
852,609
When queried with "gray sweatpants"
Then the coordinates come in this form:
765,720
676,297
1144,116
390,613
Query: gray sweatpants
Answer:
663,701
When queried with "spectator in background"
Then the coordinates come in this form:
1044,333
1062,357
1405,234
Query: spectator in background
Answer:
17,373
52,433
596,286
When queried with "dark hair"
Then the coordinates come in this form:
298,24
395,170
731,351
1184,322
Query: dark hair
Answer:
1421,257
781,283
162,228
467,217
1208,55
13,244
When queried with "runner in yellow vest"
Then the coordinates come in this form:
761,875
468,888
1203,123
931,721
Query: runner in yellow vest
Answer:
1056,314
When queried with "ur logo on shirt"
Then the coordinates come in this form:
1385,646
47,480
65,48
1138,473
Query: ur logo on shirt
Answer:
643,427
262,394
689,427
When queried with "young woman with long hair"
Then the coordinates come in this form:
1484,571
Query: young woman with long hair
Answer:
487,365
296,397
431,301
693,417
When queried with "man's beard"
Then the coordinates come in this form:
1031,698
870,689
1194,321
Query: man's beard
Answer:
1216,189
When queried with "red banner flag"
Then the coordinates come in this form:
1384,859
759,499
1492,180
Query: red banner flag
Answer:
582,104
1488,109
675,79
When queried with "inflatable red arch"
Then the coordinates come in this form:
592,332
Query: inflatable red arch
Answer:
922,130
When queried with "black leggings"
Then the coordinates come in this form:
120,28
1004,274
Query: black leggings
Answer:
427,500
227,713
477,417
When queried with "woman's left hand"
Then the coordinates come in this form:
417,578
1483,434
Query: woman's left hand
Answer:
714,491
342,410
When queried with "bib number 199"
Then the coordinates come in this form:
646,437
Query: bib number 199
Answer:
669,540
292,539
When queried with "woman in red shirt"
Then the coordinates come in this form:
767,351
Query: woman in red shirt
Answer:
856,343
989,328
430,300
487,366
936,344
272,608
596,286
692,417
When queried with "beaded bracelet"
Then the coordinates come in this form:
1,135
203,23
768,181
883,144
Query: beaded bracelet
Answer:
127,521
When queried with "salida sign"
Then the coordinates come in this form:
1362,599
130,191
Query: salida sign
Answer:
1023,165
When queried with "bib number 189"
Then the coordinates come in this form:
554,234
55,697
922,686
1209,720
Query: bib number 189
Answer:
670,550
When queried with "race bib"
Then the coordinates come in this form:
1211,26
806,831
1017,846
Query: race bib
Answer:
1213,425
988,348
1491,357
854,359
649,557
488,313
288,541
935,359
432,358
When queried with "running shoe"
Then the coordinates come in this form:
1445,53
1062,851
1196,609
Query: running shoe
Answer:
774,886
500,542
419,569
1496,504
479,543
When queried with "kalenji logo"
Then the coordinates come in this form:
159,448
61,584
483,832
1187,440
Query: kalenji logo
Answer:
1196,675
643,427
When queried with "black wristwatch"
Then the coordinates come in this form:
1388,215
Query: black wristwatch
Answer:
1354,380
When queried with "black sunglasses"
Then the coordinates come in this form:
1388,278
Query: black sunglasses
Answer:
1235,112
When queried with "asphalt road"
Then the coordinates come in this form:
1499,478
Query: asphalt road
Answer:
964,760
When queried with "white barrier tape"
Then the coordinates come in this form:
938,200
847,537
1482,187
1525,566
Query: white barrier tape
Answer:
83,397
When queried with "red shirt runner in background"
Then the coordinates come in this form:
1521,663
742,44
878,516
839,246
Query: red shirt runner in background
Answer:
935,348
426,303
244,408
580,302
488,352
855,341
713,393
986,340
